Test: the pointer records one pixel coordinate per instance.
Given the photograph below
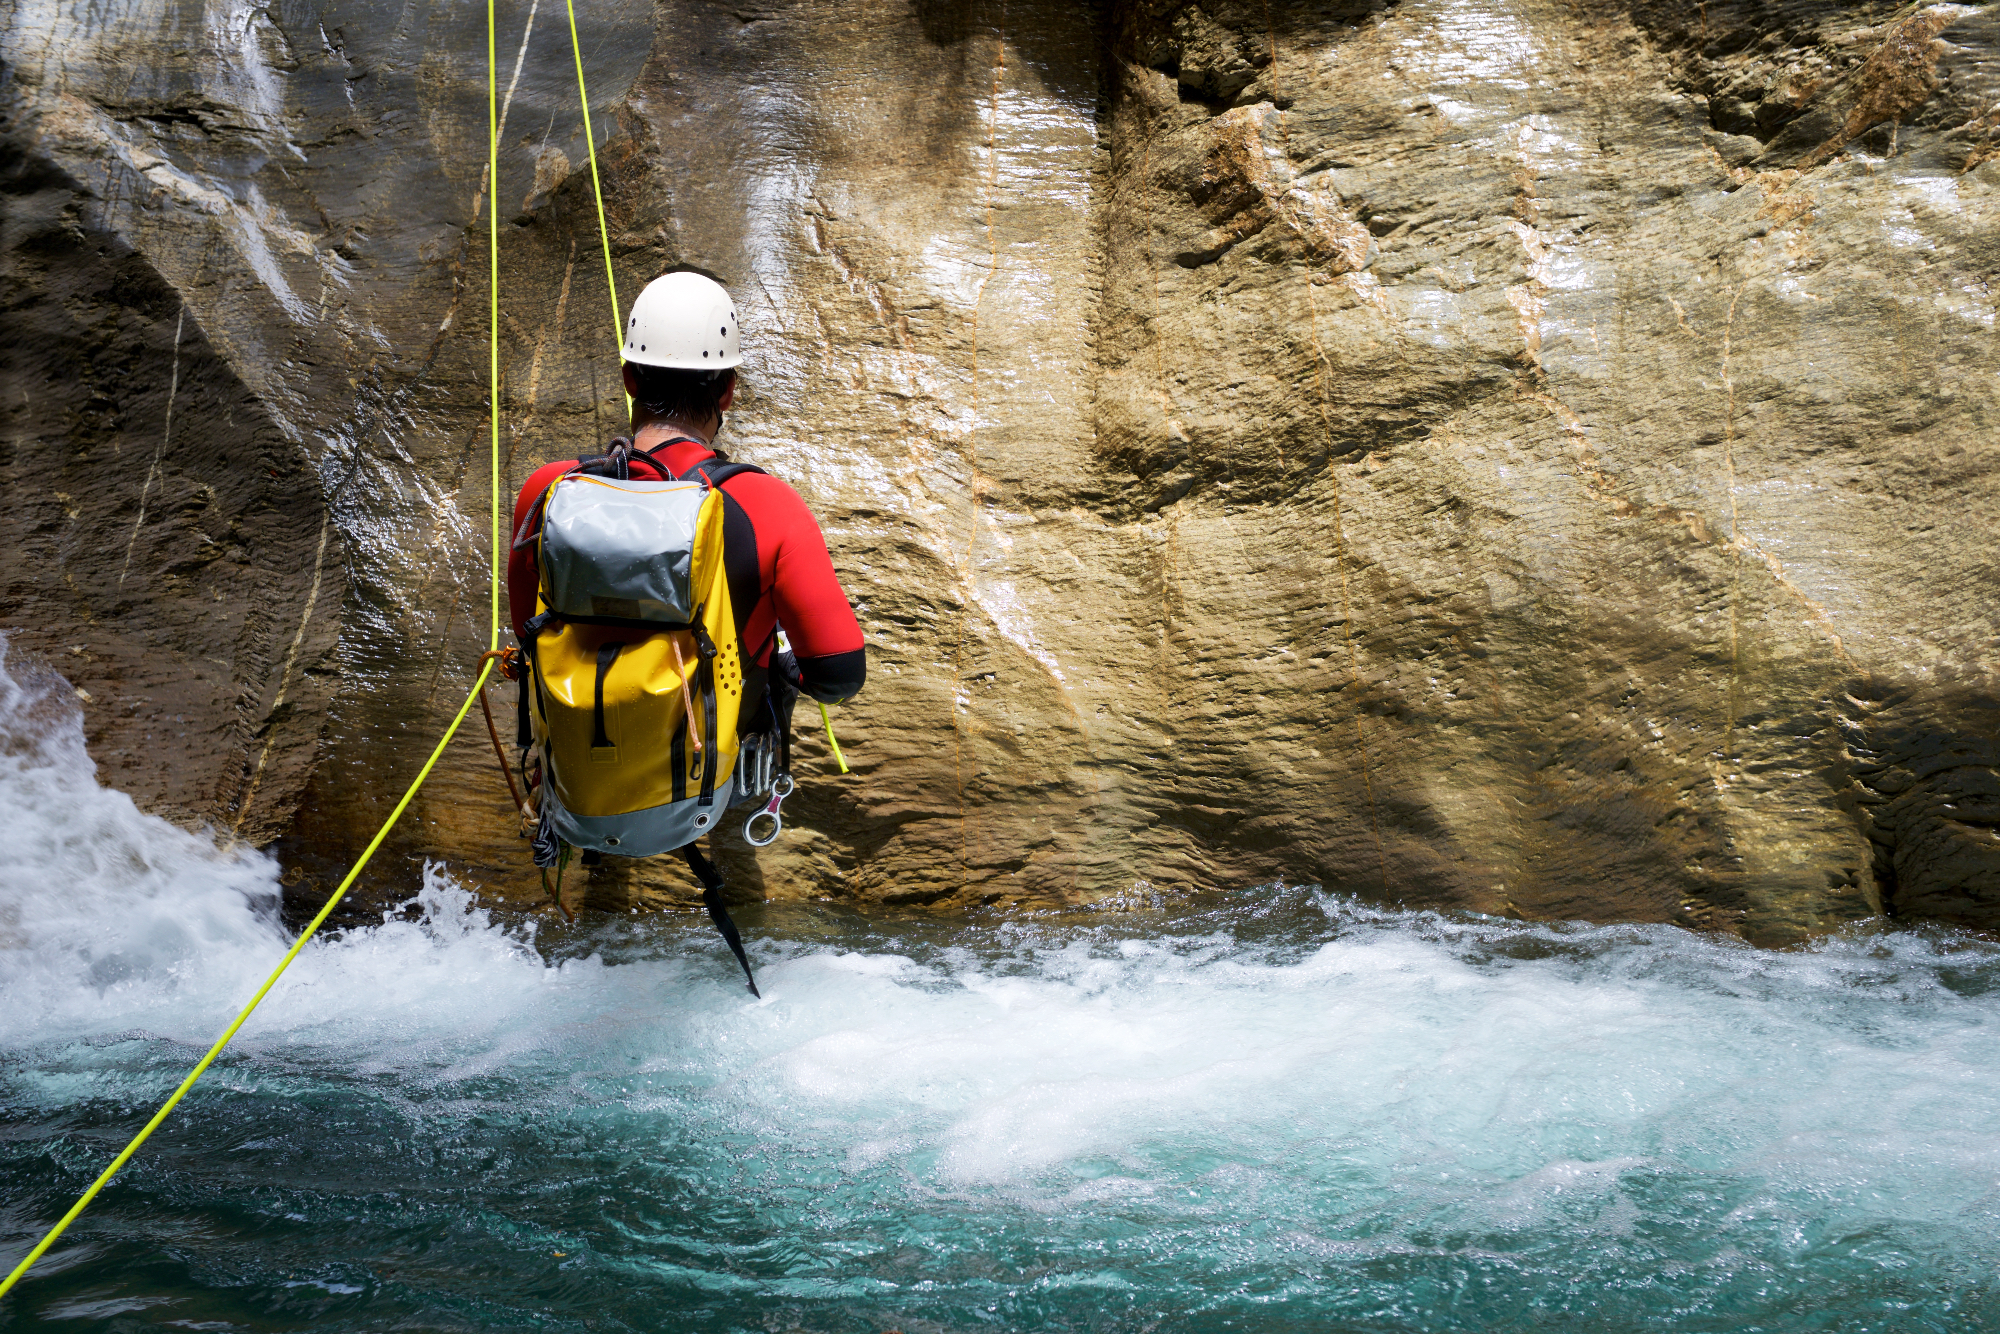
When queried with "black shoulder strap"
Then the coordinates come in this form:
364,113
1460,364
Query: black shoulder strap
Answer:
714,470
711,899
717,470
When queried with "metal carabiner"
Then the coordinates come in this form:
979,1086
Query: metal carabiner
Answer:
780,789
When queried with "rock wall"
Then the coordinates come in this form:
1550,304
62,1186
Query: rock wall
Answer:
165,543
1524,456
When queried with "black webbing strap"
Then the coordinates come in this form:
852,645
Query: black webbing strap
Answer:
711,899
524,732
605,654
704,676
783,698
718,470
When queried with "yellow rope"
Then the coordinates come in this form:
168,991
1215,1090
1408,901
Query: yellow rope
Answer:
312,927
269,982
493,284
827,718
597,190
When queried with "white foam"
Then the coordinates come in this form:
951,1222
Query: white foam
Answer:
105,912
1501,1073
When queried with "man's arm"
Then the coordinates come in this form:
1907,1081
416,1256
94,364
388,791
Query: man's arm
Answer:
811,605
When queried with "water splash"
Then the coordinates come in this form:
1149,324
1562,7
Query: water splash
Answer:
1269,1110
103,909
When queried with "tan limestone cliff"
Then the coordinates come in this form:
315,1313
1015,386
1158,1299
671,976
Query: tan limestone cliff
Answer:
1531,457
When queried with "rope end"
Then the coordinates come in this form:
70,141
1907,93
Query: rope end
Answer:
831,740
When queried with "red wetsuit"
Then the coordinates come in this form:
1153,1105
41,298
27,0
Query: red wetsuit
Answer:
794,583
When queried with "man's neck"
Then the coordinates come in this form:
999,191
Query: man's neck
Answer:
666,428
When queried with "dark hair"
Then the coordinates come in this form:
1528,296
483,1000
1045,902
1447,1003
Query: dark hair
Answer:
687,395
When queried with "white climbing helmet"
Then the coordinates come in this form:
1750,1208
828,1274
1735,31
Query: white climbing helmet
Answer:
685,321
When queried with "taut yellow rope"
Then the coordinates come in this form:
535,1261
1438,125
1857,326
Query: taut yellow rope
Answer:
485,670
597,190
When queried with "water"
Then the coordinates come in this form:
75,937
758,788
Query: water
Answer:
1274,1110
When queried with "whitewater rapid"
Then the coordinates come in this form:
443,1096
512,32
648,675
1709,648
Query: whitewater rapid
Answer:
1271,1109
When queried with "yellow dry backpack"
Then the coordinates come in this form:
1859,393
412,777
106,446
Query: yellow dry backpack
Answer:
634,672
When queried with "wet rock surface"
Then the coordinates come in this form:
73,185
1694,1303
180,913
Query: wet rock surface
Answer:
167,549
1529,457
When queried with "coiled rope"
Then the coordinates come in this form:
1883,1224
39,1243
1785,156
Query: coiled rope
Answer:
493,637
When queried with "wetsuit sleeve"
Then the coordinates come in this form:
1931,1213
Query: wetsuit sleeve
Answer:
523,580
811,605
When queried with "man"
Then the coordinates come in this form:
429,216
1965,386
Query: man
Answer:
681,352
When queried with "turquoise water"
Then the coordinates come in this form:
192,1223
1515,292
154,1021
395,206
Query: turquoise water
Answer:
1270,1110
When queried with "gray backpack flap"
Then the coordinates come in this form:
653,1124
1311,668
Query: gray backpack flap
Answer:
619,552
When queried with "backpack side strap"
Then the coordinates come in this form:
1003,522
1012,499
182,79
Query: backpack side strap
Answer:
711,899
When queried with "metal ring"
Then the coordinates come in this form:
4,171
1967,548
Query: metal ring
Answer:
750,827
783,786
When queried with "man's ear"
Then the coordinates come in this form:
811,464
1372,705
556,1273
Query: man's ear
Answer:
728,394
631,380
